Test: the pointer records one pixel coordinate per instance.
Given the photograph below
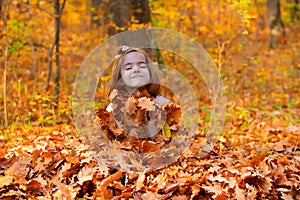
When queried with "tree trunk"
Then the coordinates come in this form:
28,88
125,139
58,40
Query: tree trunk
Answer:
141,11
58,11
294,12
57,30
121,15
95,6
275,23
122,11
4,16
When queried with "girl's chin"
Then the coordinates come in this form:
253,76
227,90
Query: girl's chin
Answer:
134,86
138,84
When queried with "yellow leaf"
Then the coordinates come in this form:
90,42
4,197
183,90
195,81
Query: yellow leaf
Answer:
166,131
5,180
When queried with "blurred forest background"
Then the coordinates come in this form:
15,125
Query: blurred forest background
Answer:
255,45
44,42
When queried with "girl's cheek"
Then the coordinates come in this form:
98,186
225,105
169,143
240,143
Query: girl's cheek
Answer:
123,72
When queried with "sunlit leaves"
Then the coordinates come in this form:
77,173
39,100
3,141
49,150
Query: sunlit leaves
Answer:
134,119
242,7
57,165
257,156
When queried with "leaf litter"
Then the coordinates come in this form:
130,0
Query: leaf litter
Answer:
248,164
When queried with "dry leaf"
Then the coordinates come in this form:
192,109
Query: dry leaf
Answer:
213,189
239,193
286,196
140,181
110,179
5,180
19,170
181,197
63,191
221,197
85,174
146,103
195,190
149,196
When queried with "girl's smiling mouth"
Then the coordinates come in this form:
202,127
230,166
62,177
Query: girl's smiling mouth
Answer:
138,76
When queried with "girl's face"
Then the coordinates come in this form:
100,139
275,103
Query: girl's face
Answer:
135,71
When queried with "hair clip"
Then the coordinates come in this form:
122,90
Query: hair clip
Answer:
124,48
122,51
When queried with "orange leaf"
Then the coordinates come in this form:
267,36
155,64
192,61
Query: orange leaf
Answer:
213,189
110,179
146,103
239,193
63,189
19,170
86,174
5,180
221,197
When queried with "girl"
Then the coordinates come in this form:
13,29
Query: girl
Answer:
136,109
134,69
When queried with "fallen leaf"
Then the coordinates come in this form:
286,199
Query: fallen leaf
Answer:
181,197
63,191
239,193
5,180
140,181
85,174
149,196
286,196
110,179
146,103
221,197
195,190
19,170
213,189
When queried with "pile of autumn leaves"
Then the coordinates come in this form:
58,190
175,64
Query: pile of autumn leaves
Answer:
58,165
137,120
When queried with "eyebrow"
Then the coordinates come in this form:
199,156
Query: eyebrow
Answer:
129,63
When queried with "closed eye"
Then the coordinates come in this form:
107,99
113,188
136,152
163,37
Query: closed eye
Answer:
130,65
142,65
127,67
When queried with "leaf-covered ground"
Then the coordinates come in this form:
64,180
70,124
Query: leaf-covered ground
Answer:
256,157
261,161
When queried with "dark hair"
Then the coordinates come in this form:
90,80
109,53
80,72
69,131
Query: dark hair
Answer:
116,82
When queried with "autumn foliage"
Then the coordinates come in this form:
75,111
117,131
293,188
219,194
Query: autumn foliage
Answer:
257,155
58,165
129,124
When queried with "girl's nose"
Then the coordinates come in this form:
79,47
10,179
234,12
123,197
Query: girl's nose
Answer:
136,68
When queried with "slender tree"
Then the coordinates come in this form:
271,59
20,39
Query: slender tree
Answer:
275,23
121,15
123,11
4,5
294,11
58,11
141,11
95,6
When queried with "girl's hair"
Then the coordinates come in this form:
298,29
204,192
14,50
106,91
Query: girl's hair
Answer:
116,81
